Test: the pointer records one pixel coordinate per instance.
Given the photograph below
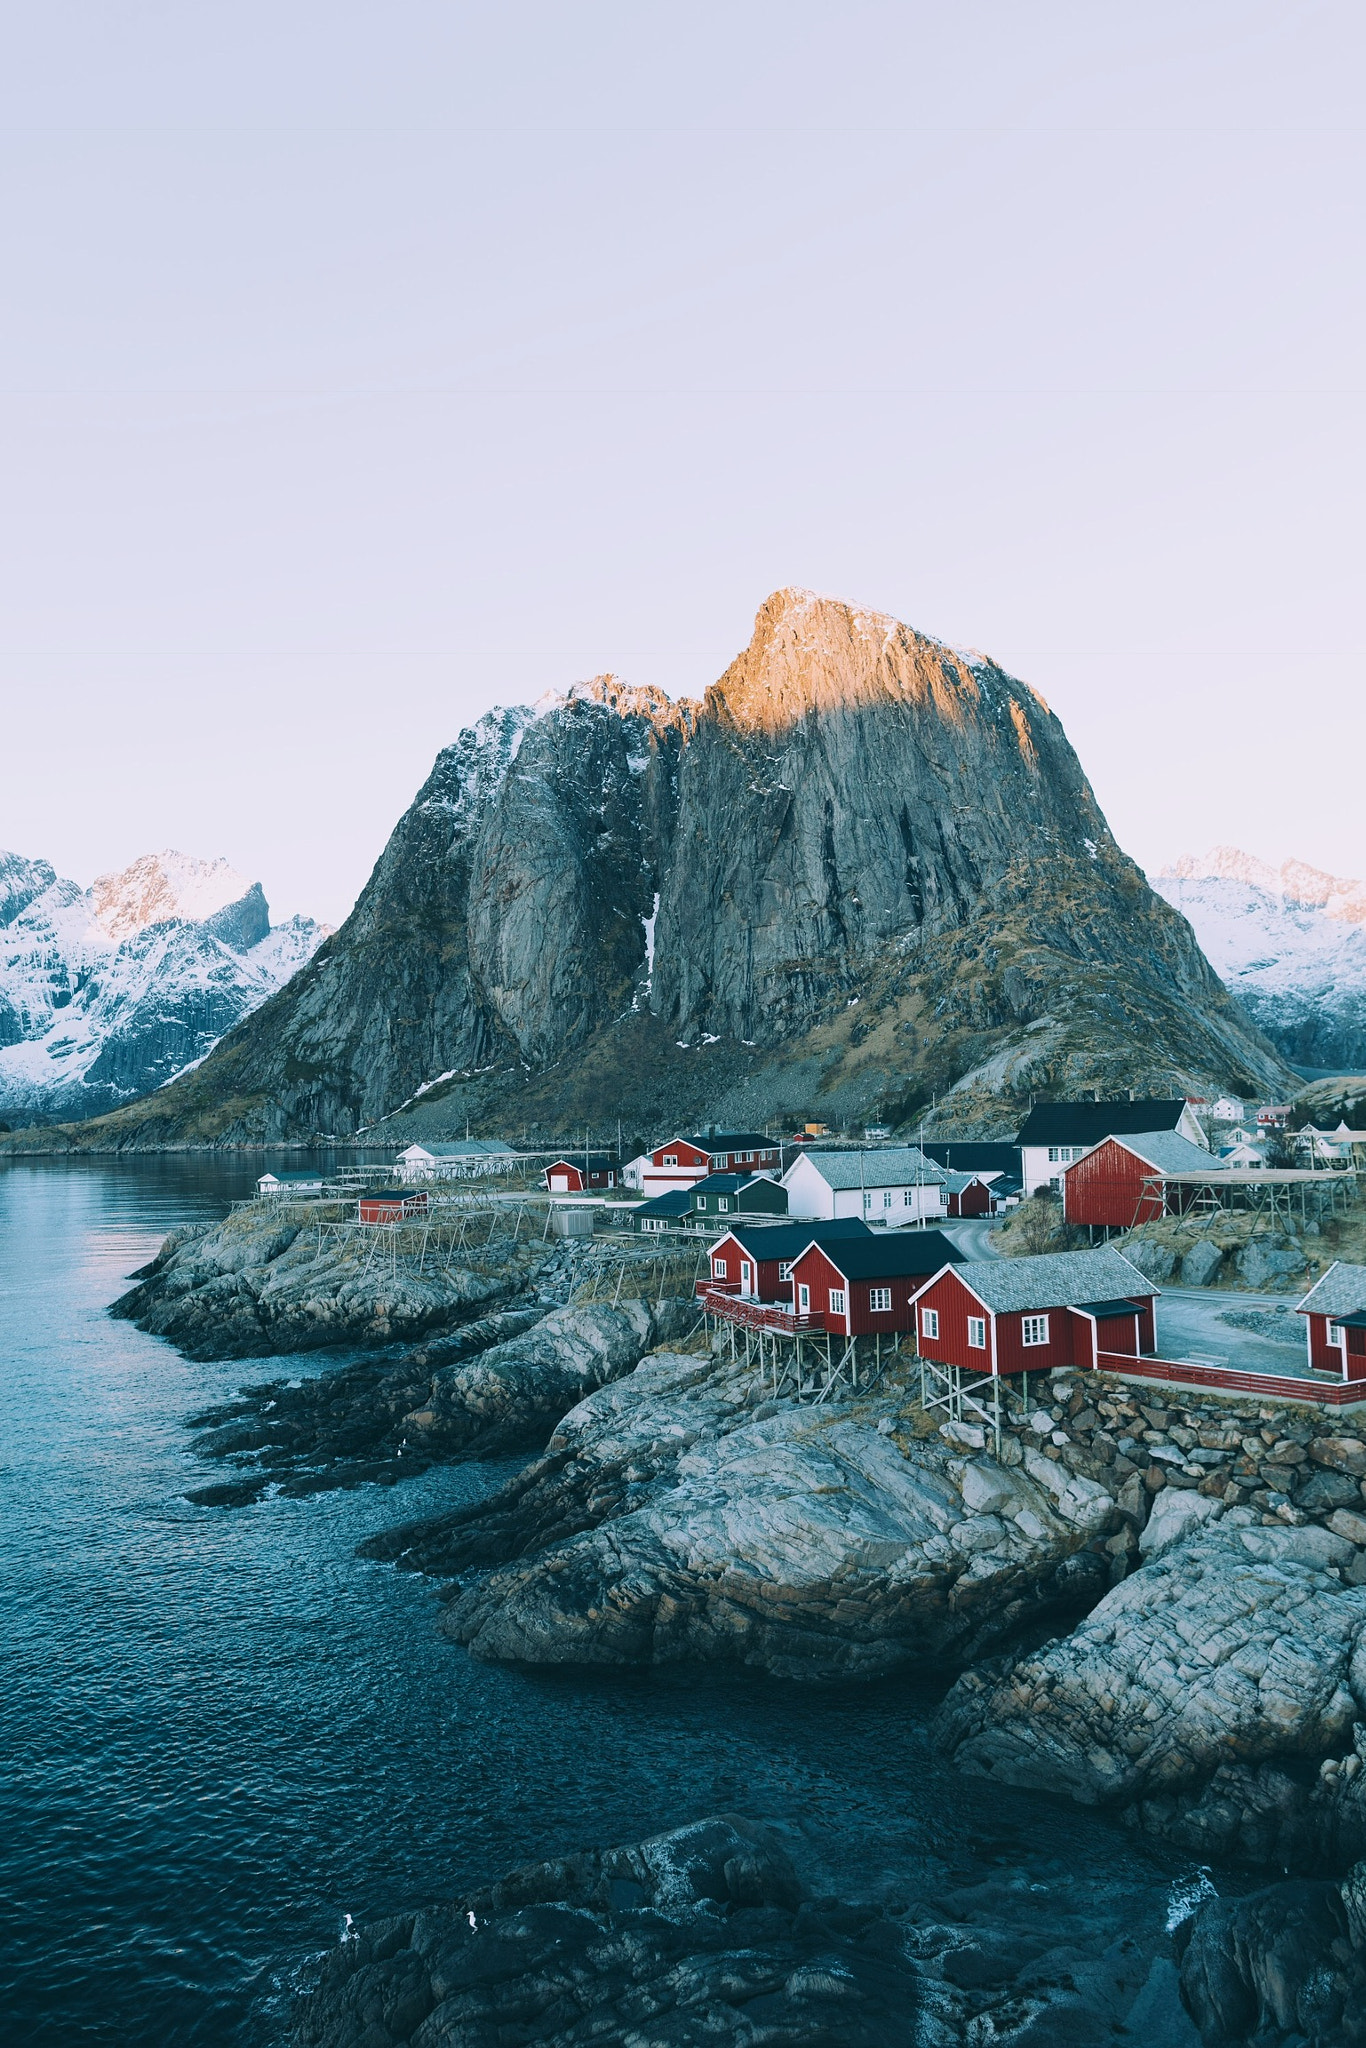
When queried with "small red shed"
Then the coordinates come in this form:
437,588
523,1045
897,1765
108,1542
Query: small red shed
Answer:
1118,1184
579,1176
391,1205
1036,1314
967,1194
1335,1322
858,1287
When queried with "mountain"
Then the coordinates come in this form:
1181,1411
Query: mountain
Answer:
1290,943
864,871
110,991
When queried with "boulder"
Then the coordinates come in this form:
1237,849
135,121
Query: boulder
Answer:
1278,1965
1176,1514
1158,1261
1264,1260
1201,1264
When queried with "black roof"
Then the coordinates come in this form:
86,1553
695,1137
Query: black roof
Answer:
1108,1308
678,1202
731,1141
598,1162
968,1155
787,1240
1088,1123
888,1255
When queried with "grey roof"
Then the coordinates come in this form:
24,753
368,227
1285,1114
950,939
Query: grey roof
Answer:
467,1148
1341,1292
955,1182
1054,1279
1167,1151
887,1166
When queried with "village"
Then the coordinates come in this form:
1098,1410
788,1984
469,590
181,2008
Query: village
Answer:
819,1258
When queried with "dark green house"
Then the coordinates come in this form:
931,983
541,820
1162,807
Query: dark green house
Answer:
721,1197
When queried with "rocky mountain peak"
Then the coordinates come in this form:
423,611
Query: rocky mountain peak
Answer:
818,654
1295,881
161,886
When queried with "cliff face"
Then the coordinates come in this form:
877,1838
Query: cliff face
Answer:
864,870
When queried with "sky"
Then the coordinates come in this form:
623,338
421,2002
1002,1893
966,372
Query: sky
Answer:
363,366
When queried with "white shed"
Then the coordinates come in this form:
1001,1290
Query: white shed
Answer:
888,1185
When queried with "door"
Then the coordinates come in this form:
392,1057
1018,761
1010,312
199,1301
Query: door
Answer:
803,1299
747,1278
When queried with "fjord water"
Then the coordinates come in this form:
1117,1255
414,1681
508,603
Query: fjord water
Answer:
221,1733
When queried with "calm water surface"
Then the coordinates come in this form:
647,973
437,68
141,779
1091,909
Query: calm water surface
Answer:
220,1732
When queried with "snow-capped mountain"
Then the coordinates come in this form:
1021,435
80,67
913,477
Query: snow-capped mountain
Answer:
1289,942
110,991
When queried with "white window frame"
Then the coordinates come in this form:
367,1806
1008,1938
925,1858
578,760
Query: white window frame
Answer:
887,1199
977,1333
721,1162
785,1269
718,1267
1337,1335
880,1301
669,1159
1034,1331
722,1202
867,1202
929,1322
837,1298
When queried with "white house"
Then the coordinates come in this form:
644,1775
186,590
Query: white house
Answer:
1246,1155
633,1173
887,1187
1227,1109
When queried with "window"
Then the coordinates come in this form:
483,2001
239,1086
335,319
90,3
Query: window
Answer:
1036,1329
906,1197
1337,1335
723,1201
929,1322
784,1269
1062,1155
837,1301
977,1333
887,1199
867,1203
879,1299
670,1159
804,1298
721,1161
718,1267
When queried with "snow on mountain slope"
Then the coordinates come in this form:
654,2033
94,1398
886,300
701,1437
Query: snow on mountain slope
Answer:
1289,942
111,991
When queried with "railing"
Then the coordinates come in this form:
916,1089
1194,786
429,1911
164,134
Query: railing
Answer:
1282,1387
758,1315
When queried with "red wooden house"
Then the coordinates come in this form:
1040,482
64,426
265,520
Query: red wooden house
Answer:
1335,1322
1121,1182
682,1162
859,1287
390,1205
583,1174
755,1261
1036,1314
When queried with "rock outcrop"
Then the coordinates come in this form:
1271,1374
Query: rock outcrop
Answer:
1218,1694
491,1386
256,1284
669,1521
1284,1965
708,1934
863,868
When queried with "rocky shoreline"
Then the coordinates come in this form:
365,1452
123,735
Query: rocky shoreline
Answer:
1146,1602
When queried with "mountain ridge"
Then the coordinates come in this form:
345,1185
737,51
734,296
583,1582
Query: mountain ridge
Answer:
863,871
1290,942
110,991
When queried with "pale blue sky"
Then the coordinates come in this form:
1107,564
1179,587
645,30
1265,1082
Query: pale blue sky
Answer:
364,365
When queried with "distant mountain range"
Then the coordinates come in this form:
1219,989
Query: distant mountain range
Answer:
108,992
864,872
1289,942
